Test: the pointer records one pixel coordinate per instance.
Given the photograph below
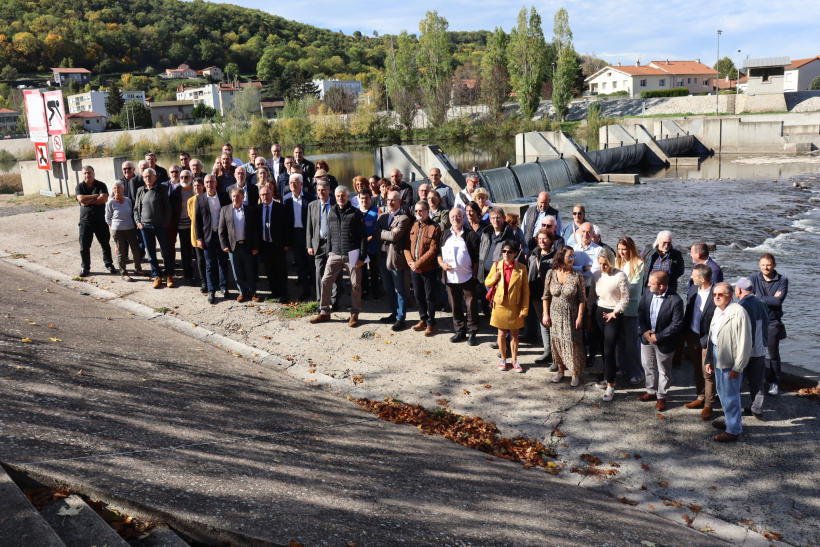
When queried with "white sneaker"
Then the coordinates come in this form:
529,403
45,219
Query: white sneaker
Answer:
558,377
602,384
609,394
575,381
773,389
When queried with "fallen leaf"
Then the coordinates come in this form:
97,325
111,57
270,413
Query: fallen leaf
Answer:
557,432
294,543
796,515
358,379
713,487
688,519
488,386
645,467
22,290
80,372
647,544
266,337
591,459
355,358
426,352
661,416
441,402
673,503
55,339
707,530
695,508
27,340
465,392
663,484
772,536
51,326
651,506
747,522
628,501
69,511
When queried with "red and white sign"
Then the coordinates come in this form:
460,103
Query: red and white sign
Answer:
59,151
36,115
55,113
41,155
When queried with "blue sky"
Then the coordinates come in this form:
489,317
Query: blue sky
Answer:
615,30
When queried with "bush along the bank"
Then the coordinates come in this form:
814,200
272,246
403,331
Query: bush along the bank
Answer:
674,92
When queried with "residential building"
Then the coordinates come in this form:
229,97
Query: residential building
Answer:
767,75
800,74
161,111
213,72
8,119
693,75
218,96
271,107
182,71
62,76
94,101
87,120
353,86
728,84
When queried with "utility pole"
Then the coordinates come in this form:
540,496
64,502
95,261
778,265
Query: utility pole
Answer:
737,80
717,80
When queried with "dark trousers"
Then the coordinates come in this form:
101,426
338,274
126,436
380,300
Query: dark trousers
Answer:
202,267
371,280
216,267
424,287
704,382
460,294
304,270
608,332
186,250
88,231
273,260
172,245
242,262
754,373
775,335
153,235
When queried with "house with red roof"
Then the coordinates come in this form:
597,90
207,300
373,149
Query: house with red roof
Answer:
88,121
693,75
800,73
62,76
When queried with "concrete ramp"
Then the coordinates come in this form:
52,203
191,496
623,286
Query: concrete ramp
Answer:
415,162
533,146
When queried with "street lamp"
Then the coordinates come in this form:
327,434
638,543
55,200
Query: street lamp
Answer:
737,80
717,81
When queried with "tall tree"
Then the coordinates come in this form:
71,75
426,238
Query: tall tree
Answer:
726,67
402,78
114,102
526,61
495,79
567,64
435,66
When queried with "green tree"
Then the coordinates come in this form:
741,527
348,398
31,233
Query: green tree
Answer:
202,110
495,79
231,69
138,114
435,67
114,102
815,84
526,61
8,73
726,67
402,78
567,64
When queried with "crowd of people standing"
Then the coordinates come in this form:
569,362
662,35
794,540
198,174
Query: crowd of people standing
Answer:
555,281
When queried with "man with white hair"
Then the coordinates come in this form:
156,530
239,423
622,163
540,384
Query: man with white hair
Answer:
237,235
663,257
535,216
152,213
459,260
251,191
296,209
316,232
466,196
346,248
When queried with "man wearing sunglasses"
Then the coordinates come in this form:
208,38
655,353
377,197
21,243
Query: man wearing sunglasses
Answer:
536,215
131,182
728,353
569,231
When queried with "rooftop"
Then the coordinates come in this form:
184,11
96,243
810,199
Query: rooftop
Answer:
159,104
71,70
86,114
797,63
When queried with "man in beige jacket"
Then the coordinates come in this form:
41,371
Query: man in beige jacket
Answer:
727,354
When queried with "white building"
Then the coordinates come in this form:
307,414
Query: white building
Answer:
353,86
218,96
182,71
213,72
800,73
62,76
693,75
94,101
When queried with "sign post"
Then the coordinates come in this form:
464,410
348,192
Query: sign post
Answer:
44,163
55,113
36,115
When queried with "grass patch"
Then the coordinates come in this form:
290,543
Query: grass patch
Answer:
273,300
7,157
10,184
163,310
18,255
295,310
36,200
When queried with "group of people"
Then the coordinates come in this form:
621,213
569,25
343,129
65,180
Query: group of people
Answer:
460,252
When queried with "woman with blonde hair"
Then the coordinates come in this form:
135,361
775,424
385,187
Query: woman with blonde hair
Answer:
510,298
629,347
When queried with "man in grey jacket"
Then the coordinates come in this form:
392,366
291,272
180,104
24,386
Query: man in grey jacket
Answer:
152,214
756,369
727,355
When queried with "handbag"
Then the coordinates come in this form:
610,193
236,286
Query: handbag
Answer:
491,292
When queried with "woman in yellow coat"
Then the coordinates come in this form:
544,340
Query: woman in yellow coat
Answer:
510,291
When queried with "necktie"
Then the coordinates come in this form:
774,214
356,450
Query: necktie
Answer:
267,223
323,223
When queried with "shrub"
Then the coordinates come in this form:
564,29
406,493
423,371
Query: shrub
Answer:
674,92
10,184
295,131
124,145
7,157
328,128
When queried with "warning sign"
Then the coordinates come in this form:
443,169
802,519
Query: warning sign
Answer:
35,115
41,156
59,151
55,113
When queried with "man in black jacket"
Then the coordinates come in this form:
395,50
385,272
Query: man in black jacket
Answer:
251,190
307,166
458,257
207,209
274,236
296,211
660,317
663,257
700,307
237,235
347,248
152,214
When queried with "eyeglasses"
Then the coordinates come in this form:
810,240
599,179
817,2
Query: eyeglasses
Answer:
548,225
577,213
391,199
127,168
570,256
185,177
508,252
715,295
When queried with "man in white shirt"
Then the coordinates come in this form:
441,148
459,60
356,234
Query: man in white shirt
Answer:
208,206
586,253
466,196
296,209
459,261
276,163
237,235
700,307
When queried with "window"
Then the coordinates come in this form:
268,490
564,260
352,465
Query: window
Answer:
662,82
680,82
614,85
696,80
603,85
689,80
88,122
643,83
706,82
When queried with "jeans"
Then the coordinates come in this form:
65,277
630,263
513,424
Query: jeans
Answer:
754,373
216,264
608,333
629,348
537,310
773,374
424,287
88,231
153,235
729,393
186,250
242,262
394,288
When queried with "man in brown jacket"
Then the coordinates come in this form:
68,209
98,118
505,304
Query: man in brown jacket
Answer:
421,252
391,229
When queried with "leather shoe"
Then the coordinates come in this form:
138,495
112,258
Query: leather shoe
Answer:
460,336
320,318
545,358
430,330
241,298
256,298
211,298
726,438
388,319
660,406
706,413
170,282
648,397
697,403
748,412
421,325
112,269
719,424
353,321
157,282
83,273
399,325
472,339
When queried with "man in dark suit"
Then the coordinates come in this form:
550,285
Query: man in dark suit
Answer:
283,180
296,211
660,317
208,206
535,216
251,190
307,166
317,234
276,163
274,235
237,235
700,307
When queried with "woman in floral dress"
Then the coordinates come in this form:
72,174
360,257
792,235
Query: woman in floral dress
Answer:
564,303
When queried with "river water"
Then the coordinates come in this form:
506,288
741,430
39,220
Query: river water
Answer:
744,205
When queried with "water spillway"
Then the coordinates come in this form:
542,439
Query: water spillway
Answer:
511,183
